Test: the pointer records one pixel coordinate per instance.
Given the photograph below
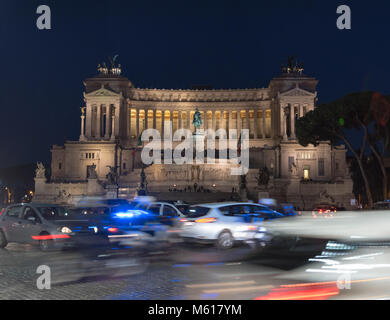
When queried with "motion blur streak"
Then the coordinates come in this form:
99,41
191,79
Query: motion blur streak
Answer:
223,284
239,289
320,292
51,237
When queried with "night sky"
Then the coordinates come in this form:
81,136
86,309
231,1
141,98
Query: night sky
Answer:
163,44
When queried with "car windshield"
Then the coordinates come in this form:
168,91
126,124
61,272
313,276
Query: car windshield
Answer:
197,211
57,213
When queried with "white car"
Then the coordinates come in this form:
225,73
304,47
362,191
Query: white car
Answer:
169,214
228,222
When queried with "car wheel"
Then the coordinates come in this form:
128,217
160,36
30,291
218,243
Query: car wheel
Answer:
3,240
225,240
45,244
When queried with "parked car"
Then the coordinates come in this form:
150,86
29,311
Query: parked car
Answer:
227,223
46,224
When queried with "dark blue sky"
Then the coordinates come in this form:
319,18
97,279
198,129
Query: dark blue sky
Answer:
163,44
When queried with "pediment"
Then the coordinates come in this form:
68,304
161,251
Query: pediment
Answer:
297,92
102,92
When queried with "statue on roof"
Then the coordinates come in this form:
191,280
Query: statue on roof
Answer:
114,69
290,67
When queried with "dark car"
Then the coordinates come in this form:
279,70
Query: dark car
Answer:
51,226
118,221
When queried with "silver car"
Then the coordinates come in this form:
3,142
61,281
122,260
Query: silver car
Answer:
48,225
226,223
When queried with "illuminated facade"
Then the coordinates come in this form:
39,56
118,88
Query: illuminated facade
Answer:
116,113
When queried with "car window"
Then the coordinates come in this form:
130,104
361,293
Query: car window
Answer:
29,212
56,213
155,209
235,210
169,211
14,211
265,212
91,212
197,211
183,208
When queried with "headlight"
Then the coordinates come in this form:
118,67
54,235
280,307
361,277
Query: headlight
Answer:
66,230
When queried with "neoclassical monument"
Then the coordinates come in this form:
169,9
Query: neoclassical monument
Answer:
106,161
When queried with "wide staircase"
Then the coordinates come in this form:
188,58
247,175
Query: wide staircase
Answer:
190,197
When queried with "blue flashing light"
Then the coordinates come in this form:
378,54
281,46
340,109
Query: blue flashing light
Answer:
131,213
124,215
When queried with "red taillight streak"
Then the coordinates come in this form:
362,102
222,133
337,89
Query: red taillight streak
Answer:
2,211
206,220
113,230
51,237
319,292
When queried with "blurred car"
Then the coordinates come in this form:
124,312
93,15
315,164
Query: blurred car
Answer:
124,224
167,213
228,223
286,209
49,225
382,205
324,210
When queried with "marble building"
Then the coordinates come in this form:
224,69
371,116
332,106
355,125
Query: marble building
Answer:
116,113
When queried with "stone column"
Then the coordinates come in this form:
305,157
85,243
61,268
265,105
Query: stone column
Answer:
98,121
162,123
284,125
88,122
128,122
180,120
137,122
247,126
154,119
117,112
213,120
108,120
82,136
113,128
239,123
255,123
292,122
146,119
281,121
263,131
230,119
